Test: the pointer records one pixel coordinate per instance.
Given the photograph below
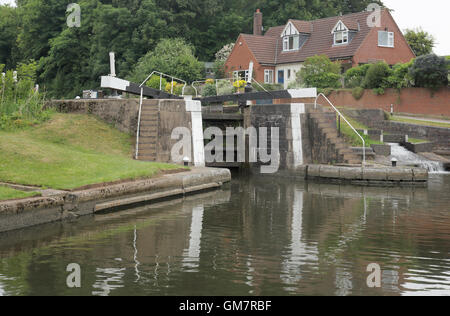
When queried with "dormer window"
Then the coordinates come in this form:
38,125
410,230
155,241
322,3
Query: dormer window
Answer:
340,34
291,38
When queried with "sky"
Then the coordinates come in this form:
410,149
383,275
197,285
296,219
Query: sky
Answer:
431,15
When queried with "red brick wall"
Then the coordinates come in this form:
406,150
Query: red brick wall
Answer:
240,58
369,49
410,100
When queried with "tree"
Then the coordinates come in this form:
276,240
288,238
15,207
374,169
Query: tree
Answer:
320,72
376,76
430,71
9,30
173,57
421,42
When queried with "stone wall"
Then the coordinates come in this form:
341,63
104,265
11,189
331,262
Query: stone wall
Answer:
376,119
122,113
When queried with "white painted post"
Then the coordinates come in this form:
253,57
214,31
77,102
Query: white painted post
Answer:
112,64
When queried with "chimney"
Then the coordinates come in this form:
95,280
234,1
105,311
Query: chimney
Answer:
257,23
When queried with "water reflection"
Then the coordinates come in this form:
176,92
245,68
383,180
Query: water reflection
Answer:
259,236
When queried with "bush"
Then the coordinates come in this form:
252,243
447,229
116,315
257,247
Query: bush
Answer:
320,72
358,93
177,88
354,77
156,82
430,71
400,77
20,104
224,87
209,90
376,76
174,57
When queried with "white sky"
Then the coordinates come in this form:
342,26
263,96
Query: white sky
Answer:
431,15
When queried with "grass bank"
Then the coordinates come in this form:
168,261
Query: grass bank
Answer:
10,194
70,151
418,121
350,135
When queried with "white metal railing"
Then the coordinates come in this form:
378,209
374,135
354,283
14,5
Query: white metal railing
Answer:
340,114
161,75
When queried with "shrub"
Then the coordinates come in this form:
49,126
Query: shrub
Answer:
224,87
430,71
177,88
156,82
376,76
400,77
320,72
209,90
354,77
20,104
358,93
378,91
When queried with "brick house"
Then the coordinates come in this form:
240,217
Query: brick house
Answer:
279,54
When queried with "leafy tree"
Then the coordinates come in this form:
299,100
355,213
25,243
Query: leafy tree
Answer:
400,77
421,42
320,72
354,77
376,76
430,71
9,30
171,56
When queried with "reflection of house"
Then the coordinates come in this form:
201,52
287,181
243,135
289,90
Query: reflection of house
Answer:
279,53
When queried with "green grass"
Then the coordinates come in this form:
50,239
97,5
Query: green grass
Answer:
9,194
418,122
350,135
70,151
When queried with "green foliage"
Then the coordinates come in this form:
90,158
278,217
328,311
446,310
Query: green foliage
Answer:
376,76
320,72
157,82
171,56
378,91
20,104
209,90
354,77
430,71
400,77
73,59
421,42
358,92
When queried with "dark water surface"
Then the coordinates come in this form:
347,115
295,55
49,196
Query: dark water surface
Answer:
256,236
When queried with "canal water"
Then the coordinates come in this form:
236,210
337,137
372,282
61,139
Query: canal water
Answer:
256,236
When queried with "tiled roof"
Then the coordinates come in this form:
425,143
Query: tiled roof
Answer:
263,47
268,49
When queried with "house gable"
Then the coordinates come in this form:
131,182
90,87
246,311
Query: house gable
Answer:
370,51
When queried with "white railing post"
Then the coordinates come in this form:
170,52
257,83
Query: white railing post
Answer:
139,123
354,130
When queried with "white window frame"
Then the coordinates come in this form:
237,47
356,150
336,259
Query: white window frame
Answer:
268,74
344,38
287,42
390,39
342,30
236,75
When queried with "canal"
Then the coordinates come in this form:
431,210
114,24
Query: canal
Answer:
255,236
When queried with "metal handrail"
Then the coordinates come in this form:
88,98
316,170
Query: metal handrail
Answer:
142,98
199,81
340,114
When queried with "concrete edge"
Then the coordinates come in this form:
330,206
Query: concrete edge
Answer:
17,214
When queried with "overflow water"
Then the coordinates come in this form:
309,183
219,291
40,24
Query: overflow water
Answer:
406,157
256,236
